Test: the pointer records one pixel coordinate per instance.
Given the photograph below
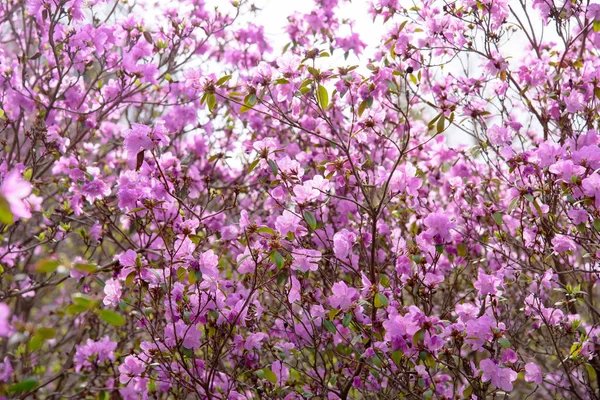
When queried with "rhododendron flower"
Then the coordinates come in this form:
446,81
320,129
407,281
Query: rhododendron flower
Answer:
15,190
343,296
533,373
562,243
94,353
439,225
6,370
306,259
342,243
112,291
4,320
591,187
502,378
487,284
289,222
498,136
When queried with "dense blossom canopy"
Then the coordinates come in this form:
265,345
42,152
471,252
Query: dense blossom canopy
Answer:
189,211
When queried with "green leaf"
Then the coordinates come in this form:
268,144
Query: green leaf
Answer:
2,116
322,96
250,100
597,224
461,249
498,218
25,385
211,101
47,265
513,205
362,107
86,267
35,342
380,300
504,342
46,333
83,301
278,259
347,320
6,215
253,165
310,219
397,357
266,229
270,375
273,166
597,26
222,80
329,326
112,317
419,337
440,123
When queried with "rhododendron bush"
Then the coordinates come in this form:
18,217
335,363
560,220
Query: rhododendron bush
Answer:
190,210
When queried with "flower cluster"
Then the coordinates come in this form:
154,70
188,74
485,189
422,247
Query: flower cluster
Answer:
187,211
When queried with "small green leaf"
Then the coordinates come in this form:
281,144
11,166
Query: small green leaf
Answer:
597,26
211,101
266,229
419,337
322,96
35,342
273,166
270,375
86,267
362,107
513,205
112,317
253,165
278,259
498,218
347,320
597,224
380,300
224,79
25,385
310,219
6,215
83,301
46,333
47,265
329,326
504,342
440,124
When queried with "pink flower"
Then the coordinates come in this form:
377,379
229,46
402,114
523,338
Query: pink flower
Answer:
6,370
342,296
306,260
15,190
342,243
128,258
289,222
137,139
4,320
294,294
498,136
487,284
562,243
533,373
439,226
281,371
502,378
591,187
112,291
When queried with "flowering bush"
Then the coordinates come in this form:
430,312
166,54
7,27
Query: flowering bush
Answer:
184,213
